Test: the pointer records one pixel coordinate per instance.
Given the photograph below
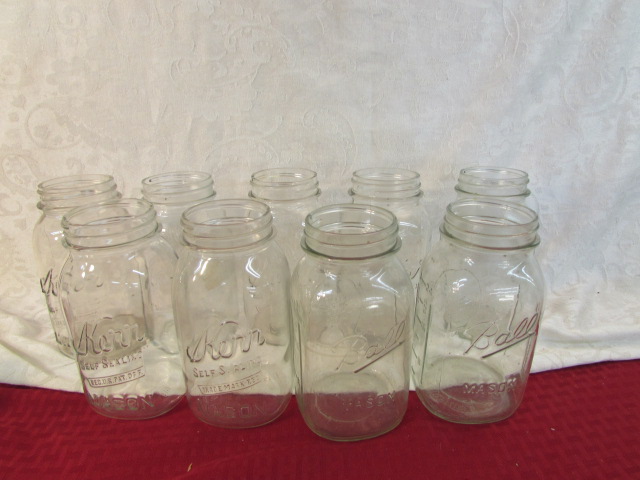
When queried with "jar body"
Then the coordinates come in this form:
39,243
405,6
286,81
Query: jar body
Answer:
57,197
477,316
398,190
501,184
231,300
291,194
352,308
116,293
171,194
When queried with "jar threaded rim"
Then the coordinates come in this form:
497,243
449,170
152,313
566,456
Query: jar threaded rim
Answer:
385,183
282,184
491,224
493,181
109,224
351,231
67,192
226,224
177,187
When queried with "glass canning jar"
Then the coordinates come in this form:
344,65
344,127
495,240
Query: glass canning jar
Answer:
497,184
231,299
171,194
116,294
398,190
57,197
480,302
291,193
353,304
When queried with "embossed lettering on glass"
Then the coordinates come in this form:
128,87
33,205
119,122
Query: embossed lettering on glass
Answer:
353,304
57,197
398,190
171,194
498,184
291,193
116,294
480,302
231,300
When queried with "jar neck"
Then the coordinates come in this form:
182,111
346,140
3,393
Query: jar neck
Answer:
351,231
491,225
176,188
59,195
227,224
109,225
493,181
385,183
284,184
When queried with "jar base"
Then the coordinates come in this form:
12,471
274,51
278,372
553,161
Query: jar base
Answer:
464,390
134,407
439,403
353,416
231,410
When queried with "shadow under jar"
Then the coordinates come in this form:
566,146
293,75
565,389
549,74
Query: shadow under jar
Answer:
231,300
59,196
480,302
353,304
116,294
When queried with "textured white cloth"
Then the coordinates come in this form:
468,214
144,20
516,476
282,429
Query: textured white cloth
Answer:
230,87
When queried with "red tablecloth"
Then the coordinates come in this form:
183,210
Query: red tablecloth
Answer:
580,423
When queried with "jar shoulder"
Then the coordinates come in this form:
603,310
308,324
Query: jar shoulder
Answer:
47,224
315,275
154,251
263,259
487,266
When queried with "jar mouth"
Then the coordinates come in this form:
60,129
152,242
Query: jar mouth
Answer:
76,190
177,187
226,224
109,224
284,184
493,181
495,225
351,231
385,183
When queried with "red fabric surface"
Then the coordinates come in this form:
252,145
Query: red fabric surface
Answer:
578,423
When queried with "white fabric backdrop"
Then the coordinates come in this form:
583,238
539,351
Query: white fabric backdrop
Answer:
230,87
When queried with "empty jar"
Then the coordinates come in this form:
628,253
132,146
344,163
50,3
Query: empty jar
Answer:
480,303
171,194
116,294
353,304
231,298
397,190
57,197
499,184
291,193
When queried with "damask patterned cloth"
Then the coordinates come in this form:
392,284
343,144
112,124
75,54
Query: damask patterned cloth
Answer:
137,88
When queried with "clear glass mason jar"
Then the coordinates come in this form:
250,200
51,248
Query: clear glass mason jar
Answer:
291,193
231,300
499,184
480,302
171,194
353,304
398,190
116,293
57,197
